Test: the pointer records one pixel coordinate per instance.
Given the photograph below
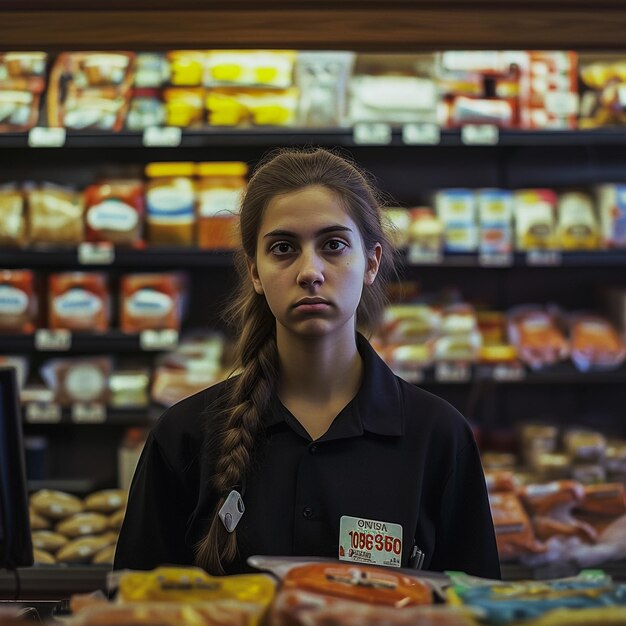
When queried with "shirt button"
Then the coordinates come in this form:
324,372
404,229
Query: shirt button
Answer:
313,449
307,512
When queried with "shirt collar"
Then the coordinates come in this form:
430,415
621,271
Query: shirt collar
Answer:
377,407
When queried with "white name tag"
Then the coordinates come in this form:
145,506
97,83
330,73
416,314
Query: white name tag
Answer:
368,541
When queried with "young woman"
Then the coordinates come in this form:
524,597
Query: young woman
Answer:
319,438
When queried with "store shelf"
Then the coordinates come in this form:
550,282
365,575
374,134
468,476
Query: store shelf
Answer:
88,414
274,136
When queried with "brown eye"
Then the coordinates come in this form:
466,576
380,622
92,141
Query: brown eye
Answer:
335,245
281,247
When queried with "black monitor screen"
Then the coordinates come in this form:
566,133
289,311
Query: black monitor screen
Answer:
16,549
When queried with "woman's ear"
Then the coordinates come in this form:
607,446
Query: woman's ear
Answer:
373,263
254,276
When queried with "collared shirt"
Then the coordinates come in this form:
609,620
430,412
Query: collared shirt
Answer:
395,454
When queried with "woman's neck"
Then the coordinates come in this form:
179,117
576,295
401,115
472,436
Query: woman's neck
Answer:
318,370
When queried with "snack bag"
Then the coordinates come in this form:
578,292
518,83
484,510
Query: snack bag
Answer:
249,68
12,216
18,302
79,301
55,215
595,344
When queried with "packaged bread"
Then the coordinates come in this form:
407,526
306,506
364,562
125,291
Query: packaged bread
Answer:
106,501
18,301
537,336
104,556
55,215
79,301
410,323
595,344
48,540
81,524
54,504
78,379
608,499
41,557
13,224
514,532
114,212
37,521
535,219
578,227
81,550
151,301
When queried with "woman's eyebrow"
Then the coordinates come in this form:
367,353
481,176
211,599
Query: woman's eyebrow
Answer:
322,231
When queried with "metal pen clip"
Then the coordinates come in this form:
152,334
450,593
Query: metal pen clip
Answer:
416,559
231,511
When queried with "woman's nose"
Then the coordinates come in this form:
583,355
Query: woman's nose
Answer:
311,270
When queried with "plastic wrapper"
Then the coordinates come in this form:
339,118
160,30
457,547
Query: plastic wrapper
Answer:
456,209
78,379
602,102
151,302
18,301
249,68
114,212
186,67
322,78
55,215
55,504
90,90
537,336
106,501
611,203
524,602
425,236
12,216
410,323
152,69
146,109
499,481
459,339
537,439
595,344
79,301
241,106
495,216
130,388
535,219
184,106
585,446
578,227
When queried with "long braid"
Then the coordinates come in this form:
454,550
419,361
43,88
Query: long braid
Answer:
258,355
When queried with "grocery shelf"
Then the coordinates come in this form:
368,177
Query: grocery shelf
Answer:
47,413
273,136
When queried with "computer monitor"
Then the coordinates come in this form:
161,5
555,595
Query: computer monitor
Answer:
16,548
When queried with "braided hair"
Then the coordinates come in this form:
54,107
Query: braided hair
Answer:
256,352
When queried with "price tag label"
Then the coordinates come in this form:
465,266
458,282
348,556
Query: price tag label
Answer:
371,133
42,137
419,256
101,253
158,339
89,413
453,372
421,134
508,372
162,137
480,135
369,541
48,340
414,376
43,413
544,257
495,259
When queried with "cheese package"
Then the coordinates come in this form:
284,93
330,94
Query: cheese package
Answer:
456,209
13,222
220,189
151,302
55,215
79,301
114,212
595,344
18,301
249,68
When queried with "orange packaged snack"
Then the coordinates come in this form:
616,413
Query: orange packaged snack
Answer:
79,301
150,302
18,303
595,343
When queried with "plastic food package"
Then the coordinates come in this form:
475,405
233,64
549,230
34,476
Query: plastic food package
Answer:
184,106
410,323
425,235
170,204
55,504
76,380
595,344
22,81
611,202
322,78
537,337
55,215
146,109
220,190
12,216
106,501
495,216
241,106
456,208
186,67
151,302
602,103
459,339
18,301
114,212
577,227
584,445
152,69
535,219
90,90
79,301
249,68
130,388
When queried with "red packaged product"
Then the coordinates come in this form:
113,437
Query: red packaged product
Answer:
151,302
114,212
79,301
18,302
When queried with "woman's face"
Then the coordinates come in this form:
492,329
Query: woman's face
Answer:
310,263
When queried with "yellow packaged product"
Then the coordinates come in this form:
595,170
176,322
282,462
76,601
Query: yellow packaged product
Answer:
192,584
186,67
240,106
535,223
170,204
220,189
269,68
578,227
12,216
184,107
55,215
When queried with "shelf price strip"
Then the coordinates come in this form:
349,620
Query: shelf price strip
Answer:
162,137
165,339
43,137
421,134
480,135
47,340
88,413
371,133
101,253
42,413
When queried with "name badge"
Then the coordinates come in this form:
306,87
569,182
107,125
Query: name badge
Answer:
368,541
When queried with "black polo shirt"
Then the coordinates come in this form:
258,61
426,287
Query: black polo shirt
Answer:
394,454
